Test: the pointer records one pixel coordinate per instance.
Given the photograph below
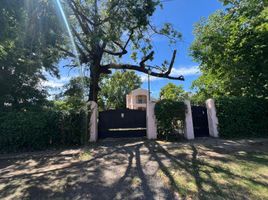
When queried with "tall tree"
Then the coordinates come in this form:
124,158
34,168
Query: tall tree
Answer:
116,87
104,31
27,38
72,98
232,48
173,92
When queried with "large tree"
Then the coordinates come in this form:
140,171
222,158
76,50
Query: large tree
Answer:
27,38
232,47
105,30
72,98
173,92
114,88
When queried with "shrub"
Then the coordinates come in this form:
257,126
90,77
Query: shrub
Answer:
242,117
168,113
74,128
31,130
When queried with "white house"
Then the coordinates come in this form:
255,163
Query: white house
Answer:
137,99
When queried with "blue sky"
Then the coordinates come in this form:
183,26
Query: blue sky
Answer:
183,14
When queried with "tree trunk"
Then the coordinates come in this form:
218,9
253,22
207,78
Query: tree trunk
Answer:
94,84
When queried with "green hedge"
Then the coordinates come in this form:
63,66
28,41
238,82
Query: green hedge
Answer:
241,117
167,113
20,131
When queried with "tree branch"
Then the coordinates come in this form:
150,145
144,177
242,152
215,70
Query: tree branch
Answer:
172,62
81,18
140,69
123,48
79,11
123,52
143,69
65,51
80,39
146,58
155,31
111,13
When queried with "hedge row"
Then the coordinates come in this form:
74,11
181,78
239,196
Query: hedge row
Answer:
20,131
241,117
168,113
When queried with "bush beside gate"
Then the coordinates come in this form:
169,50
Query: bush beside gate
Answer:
242,117
168,113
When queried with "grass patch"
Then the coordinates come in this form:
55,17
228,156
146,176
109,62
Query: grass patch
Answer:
199,172
85,155
135,182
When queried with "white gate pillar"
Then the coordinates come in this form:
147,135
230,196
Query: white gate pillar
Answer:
212,118
93,124
189,128
151,121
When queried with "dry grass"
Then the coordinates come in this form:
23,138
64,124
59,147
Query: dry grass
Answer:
85,155
203,171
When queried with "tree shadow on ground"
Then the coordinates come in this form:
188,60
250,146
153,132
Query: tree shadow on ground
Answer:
131,169
203,171
113,172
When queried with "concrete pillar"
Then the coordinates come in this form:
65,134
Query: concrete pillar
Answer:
93,126
212,118
189,128
151,121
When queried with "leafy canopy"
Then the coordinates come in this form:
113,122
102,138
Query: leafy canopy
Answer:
113,94
104,31
173,92
116,87
112,25
72,98
232,47
27,37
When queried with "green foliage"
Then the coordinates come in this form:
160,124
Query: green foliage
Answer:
116,87
242,117
21,131
112,19
167,113
27,35
198,98
104,31
74,127
232,47
109,23
173,92
73,97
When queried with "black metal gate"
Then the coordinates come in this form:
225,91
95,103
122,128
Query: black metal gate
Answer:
122,123
200,121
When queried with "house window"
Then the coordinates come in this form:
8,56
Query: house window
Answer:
141,99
